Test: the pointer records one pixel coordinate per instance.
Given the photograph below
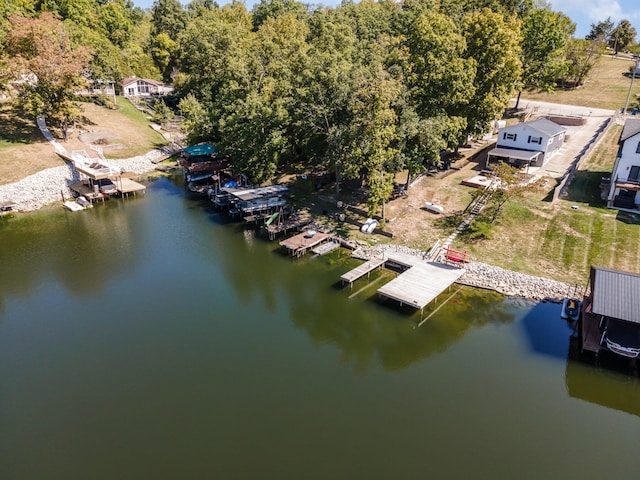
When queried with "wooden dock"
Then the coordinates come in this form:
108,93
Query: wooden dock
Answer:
299,244
418,285
421,284
361,270
82,188
127,186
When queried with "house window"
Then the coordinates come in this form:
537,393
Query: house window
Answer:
634,173
510,136
638,148
537,140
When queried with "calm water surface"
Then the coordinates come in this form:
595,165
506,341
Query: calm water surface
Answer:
152,339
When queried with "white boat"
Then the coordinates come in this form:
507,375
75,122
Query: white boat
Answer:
570,309
433,208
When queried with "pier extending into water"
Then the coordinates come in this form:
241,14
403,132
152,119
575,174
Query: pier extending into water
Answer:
299,244
418,285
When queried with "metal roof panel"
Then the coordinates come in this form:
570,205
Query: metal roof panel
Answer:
616,294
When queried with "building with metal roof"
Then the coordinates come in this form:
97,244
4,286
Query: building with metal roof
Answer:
615,294
611,317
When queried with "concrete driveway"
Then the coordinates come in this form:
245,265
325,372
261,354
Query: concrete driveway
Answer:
580,137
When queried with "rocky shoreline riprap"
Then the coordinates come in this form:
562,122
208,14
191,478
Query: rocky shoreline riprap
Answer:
50,185
481,275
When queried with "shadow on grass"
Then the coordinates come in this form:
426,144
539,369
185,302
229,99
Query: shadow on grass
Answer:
16,126
585,188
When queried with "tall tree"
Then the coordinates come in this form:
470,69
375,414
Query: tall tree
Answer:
168,19
601,31
256,124
43,52
622,36
374,119
580,56
494,45
441,78
544,35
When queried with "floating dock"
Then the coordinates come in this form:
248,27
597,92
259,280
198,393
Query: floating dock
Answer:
326,247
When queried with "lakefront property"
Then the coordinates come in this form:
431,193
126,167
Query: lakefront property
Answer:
323,260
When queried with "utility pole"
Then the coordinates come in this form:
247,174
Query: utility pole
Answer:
633,75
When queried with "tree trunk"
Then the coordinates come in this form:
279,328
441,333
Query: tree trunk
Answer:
406,186
518,100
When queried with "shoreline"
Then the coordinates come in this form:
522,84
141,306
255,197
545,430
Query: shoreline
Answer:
50,185
489,277
47,187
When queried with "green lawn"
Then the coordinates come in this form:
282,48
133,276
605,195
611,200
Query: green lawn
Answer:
562,240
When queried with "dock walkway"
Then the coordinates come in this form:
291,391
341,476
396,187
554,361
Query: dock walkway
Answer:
361,270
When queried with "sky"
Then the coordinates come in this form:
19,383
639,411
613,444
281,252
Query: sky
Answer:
582,12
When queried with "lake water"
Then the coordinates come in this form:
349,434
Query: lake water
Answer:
152,339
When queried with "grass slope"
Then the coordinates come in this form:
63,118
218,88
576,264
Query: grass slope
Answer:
607,87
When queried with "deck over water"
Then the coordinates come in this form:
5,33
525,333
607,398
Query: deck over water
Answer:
417,286
299,244
421,283
126,186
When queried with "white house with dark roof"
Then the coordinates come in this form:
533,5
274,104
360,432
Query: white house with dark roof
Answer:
529,143
144,87
625,177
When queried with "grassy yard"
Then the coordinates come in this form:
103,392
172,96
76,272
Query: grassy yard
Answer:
562,240
607,87
24,151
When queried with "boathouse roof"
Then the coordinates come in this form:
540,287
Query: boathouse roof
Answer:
200,149
248,194
615,294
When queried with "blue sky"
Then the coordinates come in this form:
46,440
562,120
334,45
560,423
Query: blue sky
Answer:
582,12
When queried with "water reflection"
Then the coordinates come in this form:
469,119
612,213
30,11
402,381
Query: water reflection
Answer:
603,386
81,250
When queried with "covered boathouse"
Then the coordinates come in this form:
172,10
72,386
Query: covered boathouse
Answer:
611,313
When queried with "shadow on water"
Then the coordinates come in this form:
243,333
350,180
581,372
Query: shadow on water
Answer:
610,384
545,331
385,332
